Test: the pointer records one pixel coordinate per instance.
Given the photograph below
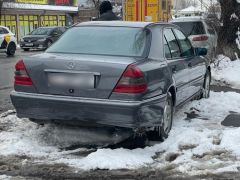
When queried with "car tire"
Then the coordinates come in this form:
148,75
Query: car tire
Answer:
11,49
160,133
206,85
26,49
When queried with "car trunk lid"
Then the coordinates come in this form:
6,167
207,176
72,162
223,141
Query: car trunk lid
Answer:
76,75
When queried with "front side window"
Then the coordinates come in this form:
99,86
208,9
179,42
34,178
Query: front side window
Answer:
173,44
100,40
186,47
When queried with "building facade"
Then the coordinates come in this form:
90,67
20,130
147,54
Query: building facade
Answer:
23,16
147,10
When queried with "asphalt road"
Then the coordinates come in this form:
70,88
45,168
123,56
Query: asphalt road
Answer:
7,76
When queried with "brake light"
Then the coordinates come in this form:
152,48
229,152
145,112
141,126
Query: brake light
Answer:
21,75
131,81
200,38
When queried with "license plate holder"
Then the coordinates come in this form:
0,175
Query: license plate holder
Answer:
72,80
29,44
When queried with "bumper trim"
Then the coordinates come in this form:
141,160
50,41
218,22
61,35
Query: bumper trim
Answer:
89,111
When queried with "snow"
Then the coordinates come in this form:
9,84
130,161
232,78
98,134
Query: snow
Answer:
39,7
195,146
227,72
191,9
5,177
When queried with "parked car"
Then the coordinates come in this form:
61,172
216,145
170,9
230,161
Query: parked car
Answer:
121,74
200,32
41,38
8,42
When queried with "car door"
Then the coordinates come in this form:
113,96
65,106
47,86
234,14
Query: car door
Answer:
196,65
177,65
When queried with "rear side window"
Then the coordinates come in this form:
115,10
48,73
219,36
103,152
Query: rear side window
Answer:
191,28
186,47
167,49
173,44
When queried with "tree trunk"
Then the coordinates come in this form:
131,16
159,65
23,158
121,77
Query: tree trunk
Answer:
227,36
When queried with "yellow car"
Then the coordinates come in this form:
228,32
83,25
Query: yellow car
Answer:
8,41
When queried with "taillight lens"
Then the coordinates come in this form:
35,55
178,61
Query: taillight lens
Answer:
200,38
21,75
132,81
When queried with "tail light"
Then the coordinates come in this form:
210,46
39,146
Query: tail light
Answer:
132,81
200,38
21,75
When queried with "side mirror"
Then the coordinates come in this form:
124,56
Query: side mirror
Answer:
201,51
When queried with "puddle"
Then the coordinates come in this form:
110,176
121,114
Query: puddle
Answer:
232,120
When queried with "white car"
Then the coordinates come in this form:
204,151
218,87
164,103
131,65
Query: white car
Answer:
8,42
199,32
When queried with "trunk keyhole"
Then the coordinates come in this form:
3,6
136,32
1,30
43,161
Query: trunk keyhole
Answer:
71,91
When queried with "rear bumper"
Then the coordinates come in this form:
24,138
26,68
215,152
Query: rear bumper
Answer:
36,45
129,114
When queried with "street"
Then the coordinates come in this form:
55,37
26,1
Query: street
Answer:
7,75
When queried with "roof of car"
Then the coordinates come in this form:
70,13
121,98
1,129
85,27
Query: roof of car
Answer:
116,23
188,19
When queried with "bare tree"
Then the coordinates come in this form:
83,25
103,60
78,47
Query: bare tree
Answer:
230,18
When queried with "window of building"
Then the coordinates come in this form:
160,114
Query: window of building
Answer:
164,4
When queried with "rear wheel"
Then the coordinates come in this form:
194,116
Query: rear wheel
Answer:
160,133
11,49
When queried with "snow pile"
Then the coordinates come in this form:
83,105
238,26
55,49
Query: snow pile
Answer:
226,72
5,177
197,145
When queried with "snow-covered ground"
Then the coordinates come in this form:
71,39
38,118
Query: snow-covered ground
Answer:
197,145
226,72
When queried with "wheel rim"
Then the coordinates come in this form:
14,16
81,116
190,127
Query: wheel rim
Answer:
167,117
206,89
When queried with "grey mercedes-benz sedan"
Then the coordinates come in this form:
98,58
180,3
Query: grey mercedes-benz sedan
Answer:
112,74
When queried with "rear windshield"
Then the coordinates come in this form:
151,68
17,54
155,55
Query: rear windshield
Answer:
191,28
41,31
99,40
